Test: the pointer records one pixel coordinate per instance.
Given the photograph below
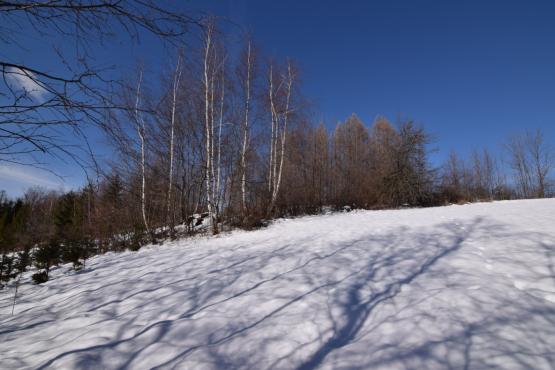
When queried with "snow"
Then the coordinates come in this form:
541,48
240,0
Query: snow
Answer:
461,287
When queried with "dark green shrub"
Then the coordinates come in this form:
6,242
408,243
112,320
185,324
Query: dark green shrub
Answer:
138,238
48,255
40,277
23,261
73,252
6,268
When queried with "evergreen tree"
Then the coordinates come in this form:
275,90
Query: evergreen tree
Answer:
46,256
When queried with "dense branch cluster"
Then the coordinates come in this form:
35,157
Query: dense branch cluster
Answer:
39,106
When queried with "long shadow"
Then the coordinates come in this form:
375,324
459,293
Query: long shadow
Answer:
462,341
28,327
356,308
356,311
164,325
549,252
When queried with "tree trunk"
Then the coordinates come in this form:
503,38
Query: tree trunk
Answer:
209,129
169,210
246,134
140,125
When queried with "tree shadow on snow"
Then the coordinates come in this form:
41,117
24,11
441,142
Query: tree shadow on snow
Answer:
344,292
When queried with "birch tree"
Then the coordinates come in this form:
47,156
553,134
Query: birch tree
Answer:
218,165
279,120
177,77
208,87
140,127
247,87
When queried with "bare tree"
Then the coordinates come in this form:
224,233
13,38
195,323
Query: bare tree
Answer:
273,145
351,157
218,175
38,106
208,86
484,174
520,165
175,88
247,87
140,127
280,113
532,160
543,161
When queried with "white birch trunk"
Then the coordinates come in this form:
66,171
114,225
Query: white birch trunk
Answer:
212,146
272,137
209,127
246,133
219,151
176,80
278,168
284,131
140,126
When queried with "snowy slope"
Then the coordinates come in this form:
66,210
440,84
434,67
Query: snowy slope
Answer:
460,287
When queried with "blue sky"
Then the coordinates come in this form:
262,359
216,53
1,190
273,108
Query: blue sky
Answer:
472,72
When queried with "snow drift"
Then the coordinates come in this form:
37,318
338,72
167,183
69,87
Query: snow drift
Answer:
454,287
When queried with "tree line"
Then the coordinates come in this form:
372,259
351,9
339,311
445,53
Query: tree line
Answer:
351,166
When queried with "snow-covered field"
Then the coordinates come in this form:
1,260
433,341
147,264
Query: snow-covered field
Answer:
458,287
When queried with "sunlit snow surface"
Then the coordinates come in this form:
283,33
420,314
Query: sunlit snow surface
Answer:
459,287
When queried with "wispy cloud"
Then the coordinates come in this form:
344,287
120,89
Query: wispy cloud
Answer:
19,178
23,82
